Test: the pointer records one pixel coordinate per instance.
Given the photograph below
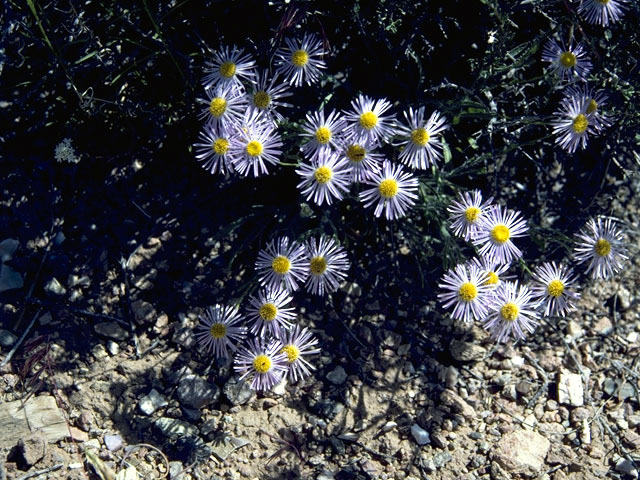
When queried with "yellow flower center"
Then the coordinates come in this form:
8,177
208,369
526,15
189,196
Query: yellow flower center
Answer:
555,288
228,69
356,153
281,265
580,123
218,330
268,312
602,247
492,278
293,353
323,135
254,148
262,364
420,137
318,265
323,174
217,107
500,234
388,188
261,99
568,60
299,58
467,292
509,311
220,146
592,107
604,2
368,120
472,214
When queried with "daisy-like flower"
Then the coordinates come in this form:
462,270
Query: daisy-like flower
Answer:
269,313
225,106
600,244
321,133
467,212
266,95
255,142
327,263
420,139
218,331
394,191
282,262
602,12
567,62
326,178
362,161
228,66
512,312
494,272
301,61
554,285
573,124
297,344
497,228
593,103
213,148
264,363
367,120
465,289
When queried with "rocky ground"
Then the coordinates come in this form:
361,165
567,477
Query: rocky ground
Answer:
395,395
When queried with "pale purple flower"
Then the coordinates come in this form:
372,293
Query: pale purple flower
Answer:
263,363
297,344
497,228
600,244
218,331
464,288
512,312
269,312
327,263
554,286
282,263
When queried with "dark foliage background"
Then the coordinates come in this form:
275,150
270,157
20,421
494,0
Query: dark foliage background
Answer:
122,81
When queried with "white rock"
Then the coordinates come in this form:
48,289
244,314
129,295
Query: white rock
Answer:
387,427
420,434
570,389
625,466
517,361
151,402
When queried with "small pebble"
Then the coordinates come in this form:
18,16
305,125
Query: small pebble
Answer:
420,434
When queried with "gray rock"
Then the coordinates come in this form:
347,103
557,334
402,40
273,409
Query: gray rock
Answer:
420,435
621,390
328,409
111,330
337,376
522,452
173,428
54,287
439,440
224,446
466,351
440,459
238,392
143,312
152,402
113,442
625,466
7,339
175,470
196,392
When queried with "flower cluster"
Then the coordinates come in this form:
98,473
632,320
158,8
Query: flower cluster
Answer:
580,113
240,134
277,346
479,290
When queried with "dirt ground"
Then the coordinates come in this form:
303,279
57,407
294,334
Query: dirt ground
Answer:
395,394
